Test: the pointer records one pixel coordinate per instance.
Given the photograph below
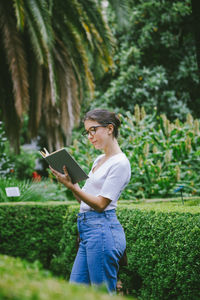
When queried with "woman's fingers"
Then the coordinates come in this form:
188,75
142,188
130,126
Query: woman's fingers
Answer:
53,171
58,174
65,171
62,178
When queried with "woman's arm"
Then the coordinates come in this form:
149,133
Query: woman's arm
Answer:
98,203
77,198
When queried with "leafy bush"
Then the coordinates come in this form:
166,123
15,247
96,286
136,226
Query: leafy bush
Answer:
62,263
31,231
24,281
5,164
156,62
45,190
163,154
162,250
24,164
20,166
162,244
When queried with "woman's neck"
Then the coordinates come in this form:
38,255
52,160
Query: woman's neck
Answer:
112,149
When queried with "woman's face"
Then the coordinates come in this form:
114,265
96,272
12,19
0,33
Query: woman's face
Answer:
99,135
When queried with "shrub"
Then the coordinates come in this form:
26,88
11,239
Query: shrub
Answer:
24,281
162,244
163,154
156,61
31,231
24,163
62,262
163,252
5,164
162,249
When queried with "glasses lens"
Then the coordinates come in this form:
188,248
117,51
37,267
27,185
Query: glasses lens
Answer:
90,131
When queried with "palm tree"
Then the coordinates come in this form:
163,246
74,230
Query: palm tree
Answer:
46,47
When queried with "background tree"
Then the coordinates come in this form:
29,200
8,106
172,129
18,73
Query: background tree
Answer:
156,63
46,49
196,24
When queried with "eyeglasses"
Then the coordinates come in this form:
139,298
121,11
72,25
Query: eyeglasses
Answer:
92,130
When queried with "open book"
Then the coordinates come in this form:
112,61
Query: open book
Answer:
60,158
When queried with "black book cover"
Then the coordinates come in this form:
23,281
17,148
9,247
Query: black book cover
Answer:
60,158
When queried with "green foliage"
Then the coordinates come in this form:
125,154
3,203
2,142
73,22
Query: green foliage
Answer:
162,244
156,62
21,166
31,31
31,231
5,163
163,154
163,252
62,263
45,190
153,239
24,281
24,163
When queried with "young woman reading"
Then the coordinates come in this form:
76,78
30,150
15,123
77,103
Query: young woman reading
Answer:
102,238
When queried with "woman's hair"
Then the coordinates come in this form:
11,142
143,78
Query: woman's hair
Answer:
104,117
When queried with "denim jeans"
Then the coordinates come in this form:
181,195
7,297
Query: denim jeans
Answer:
102,244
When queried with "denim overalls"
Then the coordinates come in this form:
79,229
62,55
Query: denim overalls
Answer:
102,244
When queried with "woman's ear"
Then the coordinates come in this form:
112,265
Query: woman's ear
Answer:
110,128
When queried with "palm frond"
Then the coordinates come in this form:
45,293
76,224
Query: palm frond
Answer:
40,13
102,38
121,8
78,44
7,106
52,78
36,97
16,58
69,96
39,25
19,11
35,36
62,40
87,21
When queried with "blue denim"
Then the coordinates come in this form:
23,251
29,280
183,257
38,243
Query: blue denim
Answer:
102,244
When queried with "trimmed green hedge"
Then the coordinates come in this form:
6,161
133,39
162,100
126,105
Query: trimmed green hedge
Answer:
163,252
163,242
32,230
20,280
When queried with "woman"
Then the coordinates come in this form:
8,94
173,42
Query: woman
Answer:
102,239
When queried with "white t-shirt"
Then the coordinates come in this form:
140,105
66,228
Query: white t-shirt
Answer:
108,180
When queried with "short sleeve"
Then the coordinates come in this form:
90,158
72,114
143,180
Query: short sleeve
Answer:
116,180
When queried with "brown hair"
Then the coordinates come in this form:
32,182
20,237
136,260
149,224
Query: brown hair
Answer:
104,117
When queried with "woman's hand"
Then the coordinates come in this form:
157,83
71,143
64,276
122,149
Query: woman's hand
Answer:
63,178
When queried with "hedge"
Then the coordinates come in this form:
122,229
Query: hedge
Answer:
163,242
163,252
20,280
32,230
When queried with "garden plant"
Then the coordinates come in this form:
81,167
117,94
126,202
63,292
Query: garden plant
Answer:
162,244
163,154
